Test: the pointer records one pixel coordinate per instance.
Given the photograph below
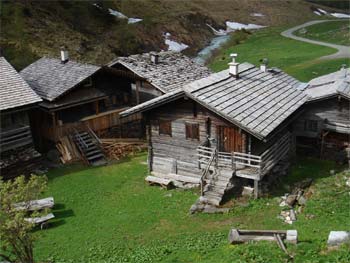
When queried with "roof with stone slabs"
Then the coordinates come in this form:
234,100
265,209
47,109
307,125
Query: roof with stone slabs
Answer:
50,78
14,91
257,101
172,71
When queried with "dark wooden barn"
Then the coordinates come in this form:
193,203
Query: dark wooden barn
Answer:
232,124
18,155
159,72
324,127
79,96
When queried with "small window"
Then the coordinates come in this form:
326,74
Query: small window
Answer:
165,127
192,131
311,125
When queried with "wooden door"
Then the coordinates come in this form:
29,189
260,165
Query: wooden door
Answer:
230,139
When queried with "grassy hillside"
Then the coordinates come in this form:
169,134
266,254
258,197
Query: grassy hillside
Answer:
109,214
31,29
337,32
295,57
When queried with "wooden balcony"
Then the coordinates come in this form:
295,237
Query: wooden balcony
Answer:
247,165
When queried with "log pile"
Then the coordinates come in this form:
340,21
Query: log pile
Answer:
67,150
118,148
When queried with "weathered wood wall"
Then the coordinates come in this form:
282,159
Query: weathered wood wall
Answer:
175,153
334,110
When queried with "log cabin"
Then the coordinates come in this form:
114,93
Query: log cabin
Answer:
79,98
16,144
323,129
159,72
236,123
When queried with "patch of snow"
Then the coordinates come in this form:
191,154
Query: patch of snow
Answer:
120,15
317,13
238,26
219,32
173,45
322,11
117,14
257,14
340,15
133,20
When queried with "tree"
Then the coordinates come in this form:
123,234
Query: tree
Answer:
16,235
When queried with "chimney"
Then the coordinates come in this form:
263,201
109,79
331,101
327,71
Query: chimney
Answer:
344,70
233,66
263,66
64,55
154,58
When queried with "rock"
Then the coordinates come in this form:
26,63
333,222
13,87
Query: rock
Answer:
332,172
302,200
168,195
337,238
247,191
283,203
310,216
210,209
291,200
300,209
292,236
304,183
292,214
348,182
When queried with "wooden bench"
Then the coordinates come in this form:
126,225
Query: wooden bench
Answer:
42,221
35,205
157,180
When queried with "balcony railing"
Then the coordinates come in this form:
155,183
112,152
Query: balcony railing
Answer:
244,164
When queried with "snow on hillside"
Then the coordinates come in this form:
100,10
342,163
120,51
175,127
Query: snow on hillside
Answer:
337,15
231,26
173,45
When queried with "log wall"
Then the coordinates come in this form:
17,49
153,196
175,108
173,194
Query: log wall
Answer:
175,153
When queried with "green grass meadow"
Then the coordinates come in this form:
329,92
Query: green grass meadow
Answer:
297,58
110,214
336,32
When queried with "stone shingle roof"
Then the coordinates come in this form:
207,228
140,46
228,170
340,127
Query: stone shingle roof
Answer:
336,83
14,91
173,70
257,101
50,78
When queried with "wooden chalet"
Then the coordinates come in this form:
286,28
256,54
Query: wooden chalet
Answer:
18,154
159,72
79,97
231,124
324,127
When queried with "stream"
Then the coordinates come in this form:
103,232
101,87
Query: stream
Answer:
206,52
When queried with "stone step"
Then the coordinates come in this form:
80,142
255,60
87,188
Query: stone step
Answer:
208,199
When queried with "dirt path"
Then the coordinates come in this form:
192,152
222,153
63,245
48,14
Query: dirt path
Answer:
343,51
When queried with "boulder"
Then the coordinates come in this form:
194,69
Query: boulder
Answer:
291,200
247,191
337,238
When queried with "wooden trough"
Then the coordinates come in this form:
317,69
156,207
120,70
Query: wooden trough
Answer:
237,236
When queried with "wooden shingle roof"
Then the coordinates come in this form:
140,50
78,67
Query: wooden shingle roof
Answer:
329,85
171,72
257,101
50,78
14,91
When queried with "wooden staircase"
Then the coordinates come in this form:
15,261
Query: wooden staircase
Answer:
214,184
89,147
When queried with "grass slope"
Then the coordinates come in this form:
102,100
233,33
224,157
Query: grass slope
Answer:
337,32
298,58
109,214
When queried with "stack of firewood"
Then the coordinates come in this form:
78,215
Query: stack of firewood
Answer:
68,150
119,148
